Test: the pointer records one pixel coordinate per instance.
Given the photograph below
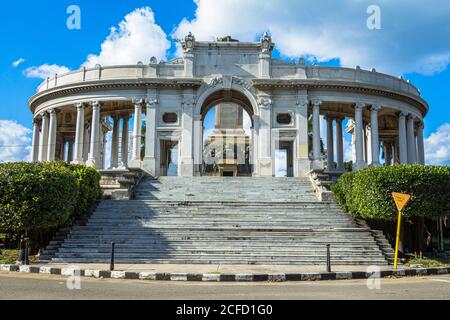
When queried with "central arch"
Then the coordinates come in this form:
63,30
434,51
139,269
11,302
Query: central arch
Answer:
219,98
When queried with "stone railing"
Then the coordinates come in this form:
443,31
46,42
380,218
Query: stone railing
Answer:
131,72
362,76
175,69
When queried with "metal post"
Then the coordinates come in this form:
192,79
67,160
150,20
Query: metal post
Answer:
22,251
328,258
111,266
27,261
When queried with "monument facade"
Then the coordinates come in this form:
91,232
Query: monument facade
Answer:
163,105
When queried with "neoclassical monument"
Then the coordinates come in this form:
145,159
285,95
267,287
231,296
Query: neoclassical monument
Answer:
73,113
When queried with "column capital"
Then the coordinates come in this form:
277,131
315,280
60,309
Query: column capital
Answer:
410,117
359,106
402,114
96,104
316,102
265,101
329,118
301,103
420,125
52,112
375,107
152,102
138,102
79,105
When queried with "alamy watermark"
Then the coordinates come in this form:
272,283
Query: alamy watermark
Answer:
374,19
374,278
73,21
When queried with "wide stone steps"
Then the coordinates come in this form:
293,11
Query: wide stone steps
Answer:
217,220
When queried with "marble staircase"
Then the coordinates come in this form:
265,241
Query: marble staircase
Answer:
219,220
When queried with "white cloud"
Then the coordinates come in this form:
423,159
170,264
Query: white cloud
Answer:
137,38
437,146
18,62
44,71
14,142
413,38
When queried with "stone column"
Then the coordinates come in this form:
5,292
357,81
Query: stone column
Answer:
411,142
330,144
374,134
94,152
52,136
150,133
137,134
317,164
124,151
35,141
43,138
198,145
265,136
79,134
186,158
255,144
302,165
86,146
339,145
359,164
420,146
69,150
388,153
403,149
115,142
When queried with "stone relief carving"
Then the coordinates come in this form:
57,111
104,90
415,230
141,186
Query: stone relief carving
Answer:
189,41
242,82
215,81
266,43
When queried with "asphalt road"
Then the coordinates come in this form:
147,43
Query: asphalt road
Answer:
29,286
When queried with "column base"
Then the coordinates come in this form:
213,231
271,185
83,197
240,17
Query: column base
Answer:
149,165
265,167
93,163
186,167
135,164
316,165
358,166
303,167
77,162
375,164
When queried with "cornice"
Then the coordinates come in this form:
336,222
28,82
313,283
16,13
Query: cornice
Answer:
62,91
347,86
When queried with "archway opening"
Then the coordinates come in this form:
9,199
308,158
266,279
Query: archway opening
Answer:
227,139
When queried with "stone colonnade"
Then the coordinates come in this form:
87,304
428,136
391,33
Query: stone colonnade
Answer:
407,149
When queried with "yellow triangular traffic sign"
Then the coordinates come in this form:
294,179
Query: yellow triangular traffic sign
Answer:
400,199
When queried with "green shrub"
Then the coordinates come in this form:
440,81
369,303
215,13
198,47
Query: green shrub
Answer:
35,196
88,184
45,195
367,193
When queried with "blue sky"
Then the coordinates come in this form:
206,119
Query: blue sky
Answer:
414,41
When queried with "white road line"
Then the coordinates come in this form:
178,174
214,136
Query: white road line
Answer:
440,280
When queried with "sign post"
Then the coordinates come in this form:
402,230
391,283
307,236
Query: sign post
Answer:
400,201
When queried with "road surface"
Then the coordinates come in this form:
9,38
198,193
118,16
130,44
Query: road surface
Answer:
31,286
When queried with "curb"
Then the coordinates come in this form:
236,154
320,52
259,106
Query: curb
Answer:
216,277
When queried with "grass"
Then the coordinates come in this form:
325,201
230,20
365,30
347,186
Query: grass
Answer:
431,260
11,256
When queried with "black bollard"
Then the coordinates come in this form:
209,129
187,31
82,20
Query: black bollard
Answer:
328,258
27,260
111,266
22,252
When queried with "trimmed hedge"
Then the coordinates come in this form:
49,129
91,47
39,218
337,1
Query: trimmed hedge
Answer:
45,195
367,193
